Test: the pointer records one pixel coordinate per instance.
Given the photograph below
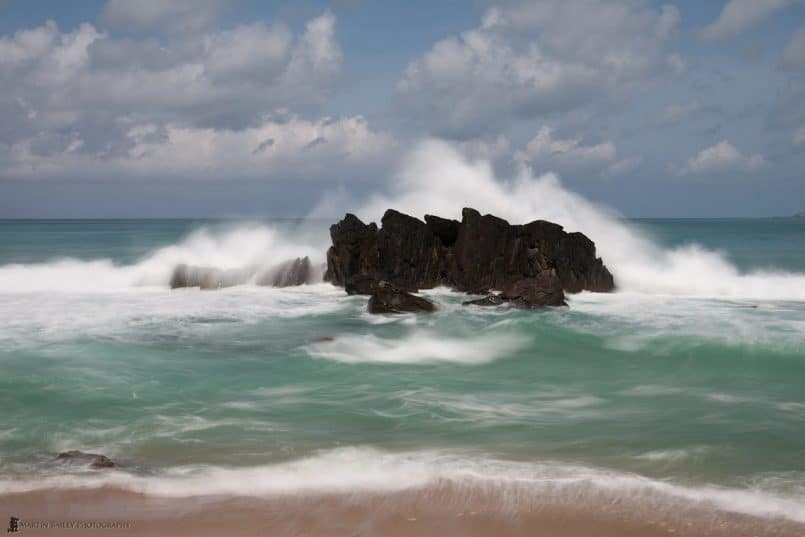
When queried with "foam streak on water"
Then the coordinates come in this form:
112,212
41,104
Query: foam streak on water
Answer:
356,469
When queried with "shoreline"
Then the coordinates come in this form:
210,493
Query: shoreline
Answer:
430,511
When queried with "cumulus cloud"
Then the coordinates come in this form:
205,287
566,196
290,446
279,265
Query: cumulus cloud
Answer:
544,147
550,152
721,158
529,59
289,147
739,15
161,15
83,92
794,52
624,166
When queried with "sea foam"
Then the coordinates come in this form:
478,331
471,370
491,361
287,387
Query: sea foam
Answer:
418,347
365,469
232,247
438,179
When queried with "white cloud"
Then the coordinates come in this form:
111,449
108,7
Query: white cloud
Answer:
529,59
739,15
290,148
794,52
625,166
161,15
573,154
227,104
92,85
569,153
721,158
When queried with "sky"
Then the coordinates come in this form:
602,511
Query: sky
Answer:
245,108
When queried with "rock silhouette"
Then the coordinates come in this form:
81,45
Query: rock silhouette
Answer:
532,264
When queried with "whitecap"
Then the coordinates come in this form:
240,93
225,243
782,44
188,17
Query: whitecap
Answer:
418,347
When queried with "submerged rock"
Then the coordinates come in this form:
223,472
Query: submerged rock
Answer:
534,263
90,460
297,271
389,299
290,273
207,277
488,300
529,293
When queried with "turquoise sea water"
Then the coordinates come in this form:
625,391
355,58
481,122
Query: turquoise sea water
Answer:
691,391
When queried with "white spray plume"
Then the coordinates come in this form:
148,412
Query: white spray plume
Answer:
438,179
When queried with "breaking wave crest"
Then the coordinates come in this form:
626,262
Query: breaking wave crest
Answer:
252,249
437,179
363,469
418,347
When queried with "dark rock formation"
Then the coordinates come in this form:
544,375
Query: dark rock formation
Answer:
387,298
353,259
90,460
544,289
480,253
293,272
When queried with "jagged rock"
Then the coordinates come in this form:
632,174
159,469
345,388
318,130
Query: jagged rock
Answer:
361,284
488,300
90,460
574,268
480,253
353,258
389,299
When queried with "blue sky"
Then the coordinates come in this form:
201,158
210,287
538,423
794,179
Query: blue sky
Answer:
121,108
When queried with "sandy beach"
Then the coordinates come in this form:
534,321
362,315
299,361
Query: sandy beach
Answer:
116,512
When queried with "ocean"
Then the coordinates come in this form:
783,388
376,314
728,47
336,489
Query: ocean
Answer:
685,385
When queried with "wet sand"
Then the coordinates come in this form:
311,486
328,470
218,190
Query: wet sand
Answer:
411,513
